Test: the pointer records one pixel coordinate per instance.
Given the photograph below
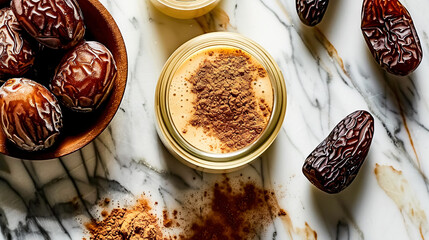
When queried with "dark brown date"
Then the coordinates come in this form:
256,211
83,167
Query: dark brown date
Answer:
311,12
56,24
391,36
31,117
85,77
16,53
334,164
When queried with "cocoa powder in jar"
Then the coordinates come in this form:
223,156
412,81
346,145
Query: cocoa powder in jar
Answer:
221,99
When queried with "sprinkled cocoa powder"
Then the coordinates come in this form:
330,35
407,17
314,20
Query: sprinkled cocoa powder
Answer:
167,222
134,223
228,212
226,106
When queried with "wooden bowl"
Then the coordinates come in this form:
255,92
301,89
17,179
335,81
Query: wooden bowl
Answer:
81,128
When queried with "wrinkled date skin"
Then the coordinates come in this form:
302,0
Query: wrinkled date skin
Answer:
334,164
391,36
31,117
57,24
16,53
311,12
85,77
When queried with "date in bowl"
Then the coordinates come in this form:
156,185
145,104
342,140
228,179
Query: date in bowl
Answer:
81,128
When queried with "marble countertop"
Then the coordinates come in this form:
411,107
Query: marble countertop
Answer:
329,73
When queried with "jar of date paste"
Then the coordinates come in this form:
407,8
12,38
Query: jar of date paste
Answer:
220,102
185,9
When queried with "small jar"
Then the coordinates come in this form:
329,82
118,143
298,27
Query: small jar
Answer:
185,9
173,138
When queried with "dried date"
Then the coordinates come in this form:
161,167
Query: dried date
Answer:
84,77
311,12
334,164
16,53
30,115
56,24
390,34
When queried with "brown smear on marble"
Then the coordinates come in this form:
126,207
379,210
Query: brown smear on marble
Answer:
136,222
399,190
307,232
404,120
304,233
213,21
332,51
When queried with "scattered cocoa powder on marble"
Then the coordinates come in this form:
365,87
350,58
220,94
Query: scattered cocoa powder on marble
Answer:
225,211
105,202
167,222
134,223
226,106
104,213
75,203
282,212
230,212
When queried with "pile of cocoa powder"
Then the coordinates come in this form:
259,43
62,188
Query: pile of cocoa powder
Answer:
226,106
134,223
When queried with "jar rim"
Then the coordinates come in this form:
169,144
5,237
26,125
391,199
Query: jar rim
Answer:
218,161
186,5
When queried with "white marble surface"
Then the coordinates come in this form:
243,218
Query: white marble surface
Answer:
325,83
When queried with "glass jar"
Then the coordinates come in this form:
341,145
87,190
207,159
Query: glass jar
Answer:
185,9
189,154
